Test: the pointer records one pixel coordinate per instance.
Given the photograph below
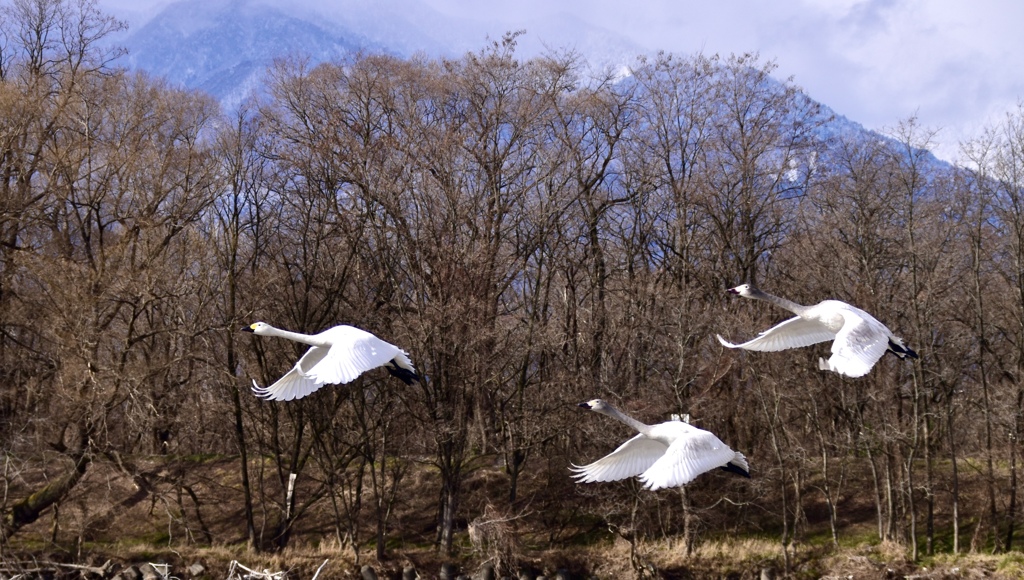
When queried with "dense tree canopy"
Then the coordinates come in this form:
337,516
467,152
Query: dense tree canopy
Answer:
534,236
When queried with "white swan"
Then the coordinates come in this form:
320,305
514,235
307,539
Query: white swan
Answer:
668,454
858,339
338,355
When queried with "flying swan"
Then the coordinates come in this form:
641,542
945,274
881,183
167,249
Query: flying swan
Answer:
858,339
338,355
668,454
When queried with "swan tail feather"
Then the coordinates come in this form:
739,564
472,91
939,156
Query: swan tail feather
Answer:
733,468
738,465
405,375
901,351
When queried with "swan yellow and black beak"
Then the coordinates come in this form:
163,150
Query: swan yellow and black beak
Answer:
249,328
585,405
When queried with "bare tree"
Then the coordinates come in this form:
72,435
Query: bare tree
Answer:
997,156
107,255
757,163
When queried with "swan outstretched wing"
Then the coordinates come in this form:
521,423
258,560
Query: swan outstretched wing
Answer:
630,459
296,383
793,333
858,345
353,351
691,454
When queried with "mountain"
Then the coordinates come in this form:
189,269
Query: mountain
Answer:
223,46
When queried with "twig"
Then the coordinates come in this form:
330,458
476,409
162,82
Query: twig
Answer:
53,566
253,574
320,568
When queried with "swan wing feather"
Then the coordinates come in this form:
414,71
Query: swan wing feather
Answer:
795,332
695,451
296,383
630,459
353,351
858,345
402,360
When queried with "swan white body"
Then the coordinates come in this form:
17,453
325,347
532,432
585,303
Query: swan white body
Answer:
337,355
668,454
858,339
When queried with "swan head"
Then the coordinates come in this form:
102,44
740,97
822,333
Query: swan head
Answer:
257,328
594,405
745,290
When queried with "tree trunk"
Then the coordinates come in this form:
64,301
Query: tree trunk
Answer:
929,483
28,510
911,457
243,456
771,415
451,500
514,467
979,313
827,490
688,522
890,499
284,531
878,493
1011,509
955,491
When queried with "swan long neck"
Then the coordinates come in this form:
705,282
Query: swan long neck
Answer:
617,414
296,336
798,309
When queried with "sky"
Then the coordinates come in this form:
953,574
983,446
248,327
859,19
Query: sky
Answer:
957,66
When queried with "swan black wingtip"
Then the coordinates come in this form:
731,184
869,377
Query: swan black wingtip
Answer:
733,468
901,351
405,375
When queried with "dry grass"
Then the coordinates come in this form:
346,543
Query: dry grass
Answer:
494,535
108,517
733,557
739,549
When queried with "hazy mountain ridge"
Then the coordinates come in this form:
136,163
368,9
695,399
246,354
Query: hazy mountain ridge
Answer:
223,47
220,46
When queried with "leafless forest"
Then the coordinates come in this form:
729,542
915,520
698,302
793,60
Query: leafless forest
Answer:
534,235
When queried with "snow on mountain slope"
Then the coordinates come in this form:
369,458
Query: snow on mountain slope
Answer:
219,45
223,46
